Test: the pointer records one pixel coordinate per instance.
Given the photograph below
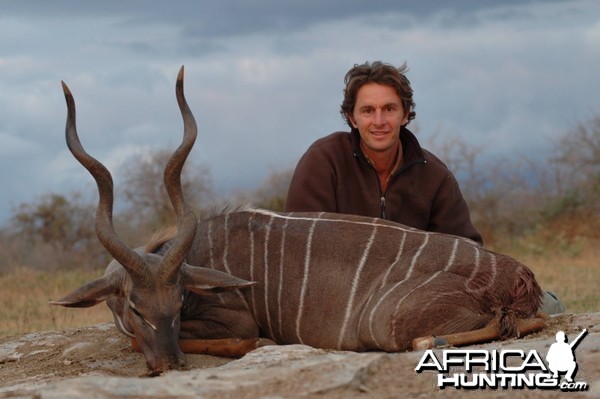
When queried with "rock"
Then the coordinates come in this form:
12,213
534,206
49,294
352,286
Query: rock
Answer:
97,362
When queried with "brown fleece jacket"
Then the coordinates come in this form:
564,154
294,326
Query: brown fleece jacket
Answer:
334,176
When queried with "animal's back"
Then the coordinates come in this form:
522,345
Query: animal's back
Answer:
349,282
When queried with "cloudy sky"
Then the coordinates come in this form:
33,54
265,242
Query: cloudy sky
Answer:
264,78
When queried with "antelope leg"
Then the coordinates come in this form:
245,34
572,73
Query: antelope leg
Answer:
226,347
487,333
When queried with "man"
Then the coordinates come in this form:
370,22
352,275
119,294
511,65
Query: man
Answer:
379,168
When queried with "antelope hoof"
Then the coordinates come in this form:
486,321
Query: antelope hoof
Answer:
423,343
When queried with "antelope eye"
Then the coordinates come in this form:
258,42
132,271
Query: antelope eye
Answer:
135,312
138,314
134,309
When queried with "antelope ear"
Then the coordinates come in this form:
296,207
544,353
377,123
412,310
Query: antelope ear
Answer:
206,281
91,293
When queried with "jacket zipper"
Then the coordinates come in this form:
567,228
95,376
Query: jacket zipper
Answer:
382,203
383,195
382,213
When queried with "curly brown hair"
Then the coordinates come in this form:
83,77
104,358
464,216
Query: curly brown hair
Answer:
381,73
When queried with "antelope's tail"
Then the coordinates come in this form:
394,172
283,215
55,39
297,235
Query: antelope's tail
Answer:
523,303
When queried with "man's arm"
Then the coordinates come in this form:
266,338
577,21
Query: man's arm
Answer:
450,212
312,188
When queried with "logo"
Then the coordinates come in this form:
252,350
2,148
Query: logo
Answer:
507,368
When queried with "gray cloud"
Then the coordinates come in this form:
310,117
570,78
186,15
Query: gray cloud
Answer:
264,78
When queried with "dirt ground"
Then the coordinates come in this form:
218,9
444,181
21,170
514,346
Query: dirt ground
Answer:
34,360
99,349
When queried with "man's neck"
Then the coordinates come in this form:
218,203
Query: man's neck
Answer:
385,163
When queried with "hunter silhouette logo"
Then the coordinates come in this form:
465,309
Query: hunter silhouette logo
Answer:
506,368
561,355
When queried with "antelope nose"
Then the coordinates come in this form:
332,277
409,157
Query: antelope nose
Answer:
158,369
168,362
155,370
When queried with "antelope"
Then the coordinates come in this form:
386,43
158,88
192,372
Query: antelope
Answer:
249,277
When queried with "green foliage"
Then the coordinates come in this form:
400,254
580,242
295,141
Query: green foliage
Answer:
565,205
52,232
54,219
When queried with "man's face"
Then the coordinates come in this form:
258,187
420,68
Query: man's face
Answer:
378,115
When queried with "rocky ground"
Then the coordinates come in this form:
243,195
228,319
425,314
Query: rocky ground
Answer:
98,362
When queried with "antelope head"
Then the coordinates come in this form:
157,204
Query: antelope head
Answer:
146,291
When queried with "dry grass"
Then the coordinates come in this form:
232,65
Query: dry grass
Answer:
24,296
573,274
571,271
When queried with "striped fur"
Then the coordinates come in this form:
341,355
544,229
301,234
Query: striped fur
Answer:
353,283
326,280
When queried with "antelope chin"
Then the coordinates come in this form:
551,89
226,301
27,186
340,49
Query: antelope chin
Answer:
152,373
156,371
171,362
